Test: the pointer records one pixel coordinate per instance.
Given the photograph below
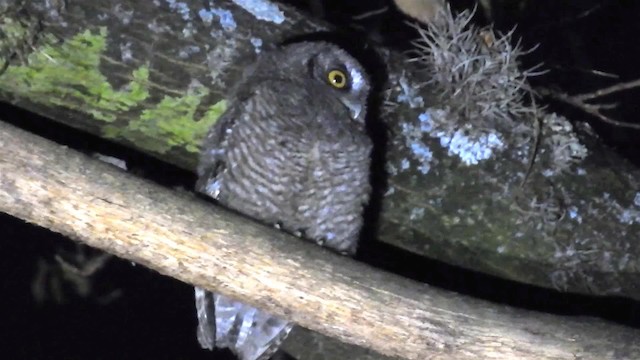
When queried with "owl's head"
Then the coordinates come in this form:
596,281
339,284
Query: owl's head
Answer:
334,68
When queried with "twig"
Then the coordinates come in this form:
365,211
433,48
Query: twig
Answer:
610,90
578,101
370,13
536,139
567,20
582,70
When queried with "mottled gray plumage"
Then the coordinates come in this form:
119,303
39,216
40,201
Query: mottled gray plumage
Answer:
291,150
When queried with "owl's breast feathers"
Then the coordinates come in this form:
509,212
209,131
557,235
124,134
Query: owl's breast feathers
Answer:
290,155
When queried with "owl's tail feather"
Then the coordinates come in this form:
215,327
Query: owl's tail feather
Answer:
205,311
250,333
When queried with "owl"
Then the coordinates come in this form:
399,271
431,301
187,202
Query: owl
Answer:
290,151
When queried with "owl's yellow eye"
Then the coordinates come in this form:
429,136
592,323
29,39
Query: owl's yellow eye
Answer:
337,79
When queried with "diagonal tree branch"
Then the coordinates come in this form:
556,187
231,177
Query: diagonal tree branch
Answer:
154,76
180,236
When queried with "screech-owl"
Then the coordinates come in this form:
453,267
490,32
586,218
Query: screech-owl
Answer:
291,150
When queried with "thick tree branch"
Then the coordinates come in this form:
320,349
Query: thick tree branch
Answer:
154,76
183,237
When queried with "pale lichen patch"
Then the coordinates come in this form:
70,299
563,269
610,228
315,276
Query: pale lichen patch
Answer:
68,74
172,119
225,18
409,93
257,44
262,10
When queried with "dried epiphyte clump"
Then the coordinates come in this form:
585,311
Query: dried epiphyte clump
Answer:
476,71
484,91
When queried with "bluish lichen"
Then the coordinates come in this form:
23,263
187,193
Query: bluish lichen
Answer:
257,44
416,214
548,173
629,216
189,30
469,149
123,13
225,18
391,169
206,16
466,142
426,124
222,55
420,151
572,211
125,52
186,51
413,136
262,10
404,164
423,155
410,94
157,28
181,7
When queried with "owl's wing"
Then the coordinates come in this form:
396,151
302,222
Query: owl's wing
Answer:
213,151
222,322
210,164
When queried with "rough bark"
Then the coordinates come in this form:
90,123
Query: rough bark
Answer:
180,236
155,76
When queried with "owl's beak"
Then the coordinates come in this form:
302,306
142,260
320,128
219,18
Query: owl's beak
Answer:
355,109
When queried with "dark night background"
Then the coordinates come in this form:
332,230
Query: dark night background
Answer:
134,313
